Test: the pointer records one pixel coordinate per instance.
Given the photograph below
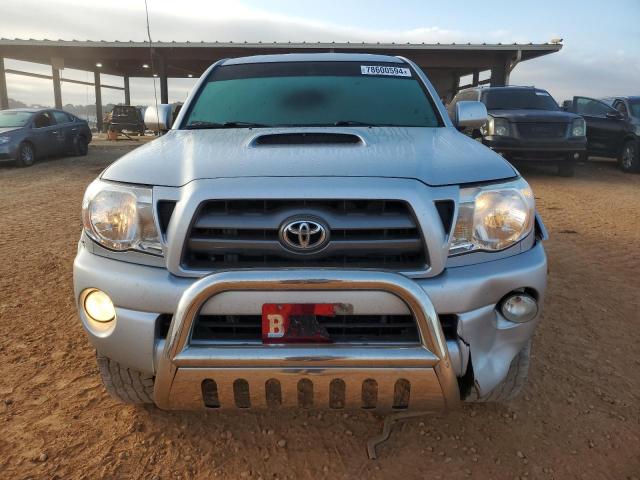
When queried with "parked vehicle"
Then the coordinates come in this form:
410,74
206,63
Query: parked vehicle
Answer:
526,123
126,118
28,134
312,230
613,128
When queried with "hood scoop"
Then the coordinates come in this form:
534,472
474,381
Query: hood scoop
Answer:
308,138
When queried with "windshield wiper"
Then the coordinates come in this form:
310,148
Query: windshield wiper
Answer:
201,125
353,123
243,124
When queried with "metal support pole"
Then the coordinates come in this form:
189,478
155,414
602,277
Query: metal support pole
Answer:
57,91
164,89
4,96
127,92
96,81
164,85
476,78
455,84
499,75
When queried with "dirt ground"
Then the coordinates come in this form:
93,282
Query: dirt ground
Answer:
578,418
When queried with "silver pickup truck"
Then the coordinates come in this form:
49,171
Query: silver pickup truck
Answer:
312,230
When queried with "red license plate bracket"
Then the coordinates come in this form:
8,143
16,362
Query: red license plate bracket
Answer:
295,322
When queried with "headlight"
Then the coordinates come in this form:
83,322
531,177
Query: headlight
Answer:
4,140
493,217
120,217
578,128
498,126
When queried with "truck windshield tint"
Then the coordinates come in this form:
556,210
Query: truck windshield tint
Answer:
14,119
515,99
312,94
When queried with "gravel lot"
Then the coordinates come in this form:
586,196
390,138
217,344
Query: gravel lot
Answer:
579,416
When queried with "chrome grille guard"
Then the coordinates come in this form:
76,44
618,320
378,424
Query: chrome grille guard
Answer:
182,368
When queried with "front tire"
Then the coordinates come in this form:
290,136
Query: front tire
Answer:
125,384
26,155
629,158
512,384
80,147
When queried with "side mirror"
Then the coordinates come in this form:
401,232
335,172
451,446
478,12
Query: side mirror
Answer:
470,114
615,115
158,119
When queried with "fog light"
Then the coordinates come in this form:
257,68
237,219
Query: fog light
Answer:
99,306
576,156
519,307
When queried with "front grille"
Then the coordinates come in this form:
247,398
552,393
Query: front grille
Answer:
209,328
381,234
341,328
542,131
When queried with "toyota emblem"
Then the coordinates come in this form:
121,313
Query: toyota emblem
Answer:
304,235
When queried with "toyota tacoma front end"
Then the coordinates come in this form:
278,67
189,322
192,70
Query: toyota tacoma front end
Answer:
312,231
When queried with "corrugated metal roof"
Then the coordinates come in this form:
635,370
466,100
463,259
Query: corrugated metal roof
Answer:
290,44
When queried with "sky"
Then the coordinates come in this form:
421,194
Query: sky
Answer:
600,57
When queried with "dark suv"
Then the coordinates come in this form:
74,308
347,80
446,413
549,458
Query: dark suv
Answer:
526,123
127,118
613,128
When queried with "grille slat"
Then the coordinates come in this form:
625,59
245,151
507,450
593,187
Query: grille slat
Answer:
341,328
347,221
362,234
336,247
542,130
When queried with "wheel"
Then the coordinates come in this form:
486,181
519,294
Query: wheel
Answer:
125,384
567,168
629,160
513,383
80,146
26,155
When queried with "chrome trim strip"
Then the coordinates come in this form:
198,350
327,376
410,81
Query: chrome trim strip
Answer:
177,350
278,356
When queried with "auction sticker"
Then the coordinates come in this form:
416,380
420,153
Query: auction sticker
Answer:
385,70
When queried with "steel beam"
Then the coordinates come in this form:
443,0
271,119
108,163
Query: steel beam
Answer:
96,81
4,96
127,92
164,84
66,80
499,75
57,90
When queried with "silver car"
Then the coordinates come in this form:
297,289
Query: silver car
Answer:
313,230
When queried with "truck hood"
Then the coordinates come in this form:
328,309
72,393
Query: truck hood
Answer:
534,116
435,156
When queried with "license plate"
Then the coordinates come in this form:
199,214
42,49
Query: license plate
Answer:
295,322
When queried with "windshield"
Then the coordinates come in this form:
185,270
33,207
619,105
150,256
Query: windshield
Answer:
312,94
634,106
519,98
14,119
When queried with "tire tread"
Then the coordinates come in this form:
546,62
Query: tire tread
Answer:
125,384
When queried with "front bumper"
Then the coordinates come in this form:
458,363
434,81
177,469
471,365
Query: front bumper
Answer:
182,368
143,293
8,151
539,149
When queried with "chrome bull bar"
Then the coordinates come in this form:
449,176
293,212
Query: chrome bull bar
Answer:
183,369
